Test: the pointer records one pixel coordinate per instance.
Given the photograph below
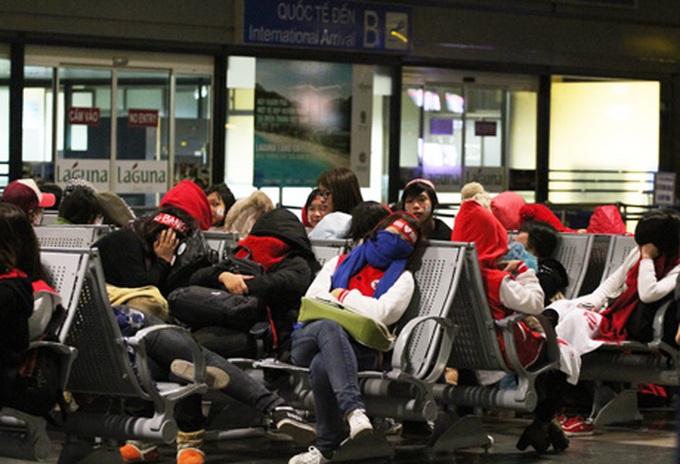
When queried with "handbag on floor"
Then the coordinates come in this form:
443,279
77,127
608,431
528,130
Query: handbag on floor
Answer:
363,329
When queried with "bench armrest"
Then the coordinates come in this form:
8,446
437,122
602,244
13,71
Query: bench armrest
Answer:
551,346
658,342
137,343
402,364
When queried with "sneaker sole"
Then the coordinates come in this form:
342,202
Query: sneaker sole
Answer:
362,433
215,378
300,433
579,434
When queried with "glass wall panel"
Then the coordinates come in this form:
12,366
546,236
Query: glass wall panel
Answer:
142,129
4,115
192,128
84,126
37,122
604,141
287,121
460,127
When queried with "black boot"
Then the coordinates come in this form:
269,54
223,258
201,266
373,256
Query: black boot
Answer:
558,439
536,435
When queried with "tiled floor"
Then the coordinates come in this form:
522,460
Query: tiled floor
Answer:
653,441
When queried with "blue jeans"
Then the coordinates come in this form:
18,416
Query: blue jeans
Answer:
165,346
334,360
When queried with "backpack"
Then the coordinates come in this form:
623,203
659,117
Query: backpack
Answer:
193,254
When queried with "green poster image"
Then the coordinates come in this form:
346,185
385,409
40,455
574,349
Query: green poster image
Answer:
302,121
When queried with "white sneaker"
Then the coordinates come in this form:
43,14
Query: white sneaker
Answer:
359,424
312,456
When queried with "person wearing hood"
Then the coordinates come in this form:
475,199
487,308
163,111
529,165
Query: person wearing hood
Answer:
511,287
277,241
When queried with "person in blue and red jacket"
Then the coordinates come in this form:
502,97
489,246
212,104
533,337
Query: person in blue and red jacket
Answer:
374,281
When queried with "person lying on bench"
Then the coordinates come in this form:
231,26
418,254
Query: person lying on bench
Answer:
624,305
374,281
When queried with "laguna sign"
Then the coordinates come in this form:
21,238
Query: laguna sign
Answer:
128,176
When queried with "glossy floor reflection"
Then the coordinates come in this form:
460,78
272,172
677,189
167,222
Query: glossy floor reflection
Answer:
653,441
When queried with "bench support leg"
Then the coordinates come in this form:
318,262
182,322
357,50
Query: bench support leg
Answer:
90,451
613,408
371,446
459,432
23,436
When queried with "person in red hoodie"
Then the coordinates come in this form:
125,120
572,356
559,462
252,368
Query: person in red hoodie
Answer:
512,287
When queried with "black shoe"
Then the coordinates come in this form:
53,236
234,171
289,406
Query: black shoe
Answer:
558,439
415,430
288,421
536,435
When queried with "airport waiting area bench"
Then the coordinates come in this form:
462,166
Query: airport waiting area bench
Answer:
102,377
448,323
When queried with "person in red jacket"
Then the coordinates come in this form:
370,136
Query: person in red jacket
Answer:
512,287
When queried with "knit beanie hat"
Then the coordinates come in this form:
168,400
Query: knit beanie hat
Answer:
25,194
538,212
188,196
77,182
474,223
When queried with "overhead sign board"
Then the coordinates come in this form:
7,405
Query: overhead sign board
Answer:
83,116
327,24
142,118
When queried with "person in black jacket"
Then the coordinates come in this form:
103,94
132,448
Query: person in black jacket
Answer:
420,199
277,241
541,239
152,250
16,295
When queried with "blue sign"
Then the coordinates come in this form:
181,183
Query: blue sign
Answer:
327,24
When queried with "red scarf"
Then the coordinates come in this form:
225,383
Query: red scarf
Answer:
13,274
613,325
264,250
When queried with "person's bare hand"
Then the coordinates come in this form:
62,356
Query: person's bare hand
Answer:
649,251
166,244
509,266
337,291
235,283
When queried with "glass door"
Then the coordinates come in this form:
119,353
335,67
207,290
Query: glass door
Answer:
142,128
133,124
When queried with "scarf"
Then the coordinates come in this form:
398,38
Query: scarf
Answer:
613,325
267,251
387,252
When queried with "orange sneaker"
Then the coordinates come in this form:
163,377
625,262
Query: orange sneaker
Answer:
190,456
135,451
